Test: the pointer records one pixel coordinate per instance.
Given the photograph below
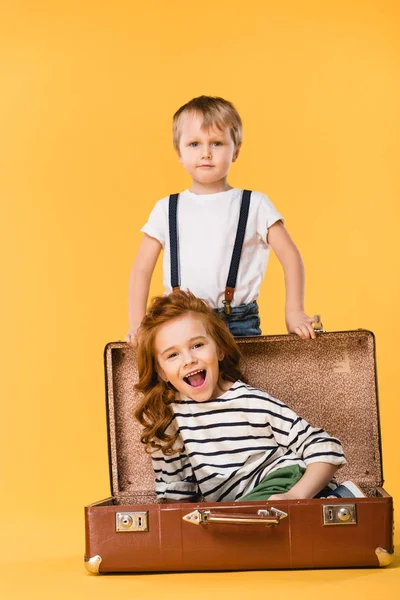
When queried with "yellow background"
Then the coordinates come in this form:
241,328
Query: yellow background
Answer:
87,91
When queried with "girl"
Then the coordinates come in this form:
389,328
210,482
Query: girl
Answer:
210,434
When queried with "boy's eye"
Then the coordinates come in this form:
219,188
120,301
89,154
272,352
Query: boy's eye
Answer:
198,345
194,144
217,143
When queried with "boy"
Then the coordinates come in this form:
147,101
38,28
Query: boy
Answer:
207,134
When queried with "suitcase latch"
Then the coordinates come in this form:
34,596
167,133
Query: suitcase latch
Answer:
131,521
318,327
339,514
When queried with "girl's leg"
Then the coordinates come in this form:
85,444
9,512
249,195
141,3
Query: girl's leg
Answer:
278,482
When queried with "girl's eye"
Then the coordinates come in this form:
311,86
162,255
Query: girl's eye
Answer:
198,345
194,144
171,355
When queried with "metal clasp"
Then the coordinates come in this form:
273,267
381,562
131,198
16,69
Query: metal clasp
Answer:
131,521
339,514
318,327
227,306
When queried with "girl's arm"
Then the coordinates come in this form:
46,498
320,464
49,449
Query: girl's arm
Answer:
322,453
139,283
289,256
316,477
174,477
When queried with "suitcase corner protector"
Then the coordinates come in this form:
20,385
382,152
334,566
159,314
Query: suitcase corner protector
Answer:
385,558
92,564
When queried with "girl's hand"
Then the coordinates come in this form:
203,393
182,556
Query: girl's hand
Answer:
131,337
285,496
298,322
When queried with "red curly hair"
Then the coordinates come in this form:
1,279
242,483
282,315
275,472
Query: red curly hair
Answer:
154,412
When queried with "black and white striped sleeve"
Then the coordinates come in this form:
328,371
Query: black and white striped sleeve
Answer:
310,444
174,477
314,444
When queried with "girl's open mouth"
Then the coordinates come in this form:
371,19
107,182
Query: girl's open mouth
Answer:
196,379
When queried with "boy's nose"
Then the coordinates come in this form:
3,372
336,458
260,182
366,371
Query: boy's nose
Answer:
206,152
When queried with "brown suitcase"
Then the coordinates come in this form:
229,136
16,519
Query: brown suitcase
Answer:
331,382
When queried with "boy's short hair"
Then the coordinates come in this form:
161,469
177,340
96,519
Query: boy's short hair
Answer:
215,111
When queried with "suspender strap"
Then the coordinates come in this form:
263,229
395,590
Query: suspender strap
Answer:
173,240
237,250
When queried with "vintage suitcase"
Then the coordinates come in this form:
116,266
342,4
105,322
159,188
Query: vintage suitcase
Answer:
330,381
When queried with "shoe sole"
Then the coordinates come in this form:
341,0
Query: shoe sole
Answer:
354,489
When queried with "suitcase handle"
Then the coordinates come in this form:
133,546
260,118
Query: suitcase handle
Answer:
265,517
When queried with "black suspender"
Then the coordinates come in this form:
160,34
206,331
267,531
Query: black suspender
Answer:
173,240
237,248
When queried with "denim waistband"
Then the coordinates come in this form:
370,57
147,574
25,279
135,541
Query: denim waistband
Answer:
241,310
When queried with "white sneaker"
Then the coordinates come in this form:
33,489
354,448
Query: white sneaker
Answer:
348,489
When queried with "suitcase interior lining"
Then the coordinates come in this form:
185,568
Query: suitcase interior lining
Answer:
329,381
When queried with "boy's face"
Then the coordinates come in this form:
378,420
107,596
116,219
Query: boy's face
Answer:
187,357
206,154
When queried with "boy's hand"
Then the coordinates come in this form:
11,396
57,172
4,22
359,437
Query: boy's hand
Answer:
298,322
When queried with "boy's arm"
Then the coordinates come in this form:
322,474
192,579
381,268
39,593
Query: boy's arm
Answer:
139,283
316,477
289,256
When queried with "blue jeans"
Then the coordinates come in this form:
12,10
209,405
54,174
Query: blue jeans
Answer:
243,320
340,492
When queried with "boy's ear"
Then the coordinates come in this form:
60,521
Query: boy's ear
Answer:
236,152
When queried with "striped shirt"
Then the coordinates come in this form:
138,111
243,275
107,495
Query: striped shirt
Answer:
232,442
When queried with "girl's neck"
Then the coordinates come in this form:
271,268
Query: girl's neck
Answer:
223,386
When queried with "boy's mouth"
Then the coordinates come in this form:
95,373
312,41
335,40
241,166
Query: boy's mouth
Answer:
196,379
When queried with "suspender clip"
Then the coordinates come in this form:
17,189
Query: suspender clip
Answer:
227,307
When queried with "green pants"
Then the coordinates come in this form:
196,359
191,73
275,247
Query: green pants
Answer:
278,482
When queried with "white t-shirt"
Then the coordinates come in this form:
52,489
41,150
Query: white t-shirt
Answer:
207,225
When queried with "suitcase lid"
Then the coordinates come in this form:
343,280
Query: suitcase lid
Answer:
330,381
